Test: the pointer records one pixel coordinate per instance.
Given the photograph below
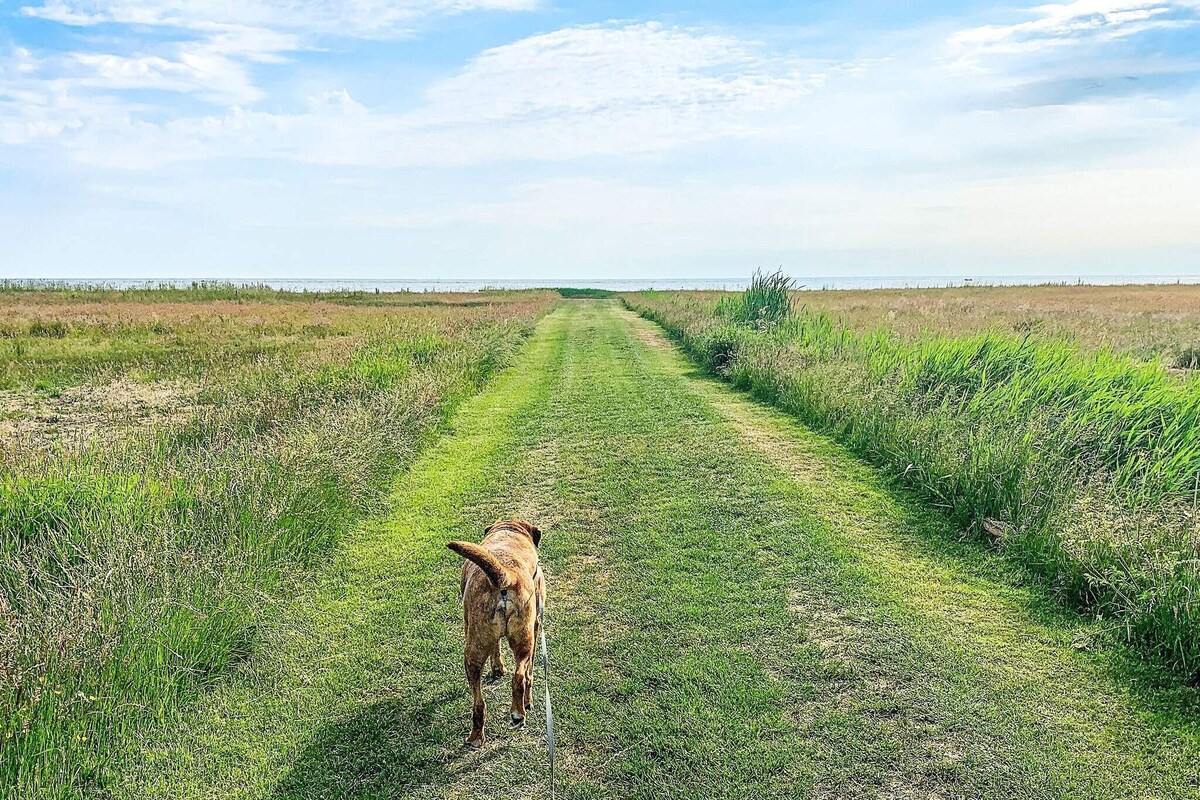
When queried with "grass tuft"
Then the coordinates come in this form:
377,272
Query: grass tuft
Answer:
766,302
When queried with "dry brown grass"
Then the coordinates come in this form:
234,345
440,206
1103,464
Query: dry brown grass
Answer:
1151,322
54,339
80,414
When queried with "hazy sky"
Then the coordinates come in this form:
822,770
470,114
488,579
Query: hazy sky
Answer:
531,138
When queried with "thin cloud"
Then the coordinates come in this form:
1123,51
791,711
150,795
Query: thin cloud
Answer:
209,54
360,18
576,92
1062,24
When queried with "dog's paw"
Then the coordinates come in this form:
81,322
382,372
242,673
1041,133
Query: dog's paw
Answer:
474,742
518,720
529,706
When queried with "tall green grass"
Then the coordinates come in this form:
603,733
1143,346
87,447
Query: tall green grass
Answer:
1083,466
131,573
766,302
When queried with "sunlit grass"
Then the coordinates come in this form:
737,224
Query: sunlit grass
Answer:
130,564
1082,464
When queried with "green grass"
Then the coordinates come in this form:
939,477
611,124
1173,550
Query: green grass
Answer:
766,302
736,605
1082,465
585,294
133,566
66,337
195,292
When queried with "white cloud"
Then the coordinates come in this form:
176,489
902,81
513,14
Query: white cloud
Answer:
53,95
587,91
214,67
209,54
1059,24
592,91
354,18
590,69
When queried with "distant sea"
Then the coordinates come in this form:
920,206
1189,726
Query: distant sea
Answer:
616,285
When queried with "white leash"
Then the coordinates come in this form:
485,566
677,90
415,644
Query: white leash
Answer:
549,710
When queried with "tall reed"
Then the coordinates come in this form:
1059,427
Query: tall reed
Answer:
766,302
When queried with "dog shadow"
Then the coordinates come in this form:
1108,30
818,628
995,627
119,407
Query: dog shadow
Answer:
390,749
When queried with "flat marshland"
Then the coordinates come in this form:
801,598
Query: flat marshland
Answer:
165,456
1149,322
223,517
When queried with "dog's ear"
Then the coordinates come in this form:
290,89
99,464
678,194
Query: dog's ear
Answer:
535,533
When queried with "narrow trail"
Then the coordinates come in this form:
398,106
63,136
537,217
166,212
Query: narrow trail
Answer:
736,606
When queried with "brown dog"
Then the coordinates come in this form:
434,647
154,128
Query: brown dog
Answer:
503,592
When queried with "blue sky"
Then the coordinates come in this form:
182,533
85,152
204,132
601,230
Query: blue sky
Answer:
538,139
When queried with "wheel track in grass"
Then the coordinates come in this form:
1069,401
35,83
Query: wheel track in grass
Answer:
736,606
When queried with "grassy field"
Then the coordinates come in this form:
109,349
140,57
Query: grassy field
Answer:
227,578
1151,322
59,338
735,605
1053,421
168,458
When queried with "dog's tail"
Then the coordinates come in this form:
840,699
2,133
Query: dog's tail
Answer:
495,571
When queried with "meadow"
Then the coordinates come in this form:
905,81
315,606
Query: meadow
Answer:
1061,424
169,458
1149,322
223,517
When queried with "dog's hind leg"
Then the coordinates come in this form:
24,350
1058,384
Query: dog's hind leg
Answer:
497,664
522,682
474,660
529,685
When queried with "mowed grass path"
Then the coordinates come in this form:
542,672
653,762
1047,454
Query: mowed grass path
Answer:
737,608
